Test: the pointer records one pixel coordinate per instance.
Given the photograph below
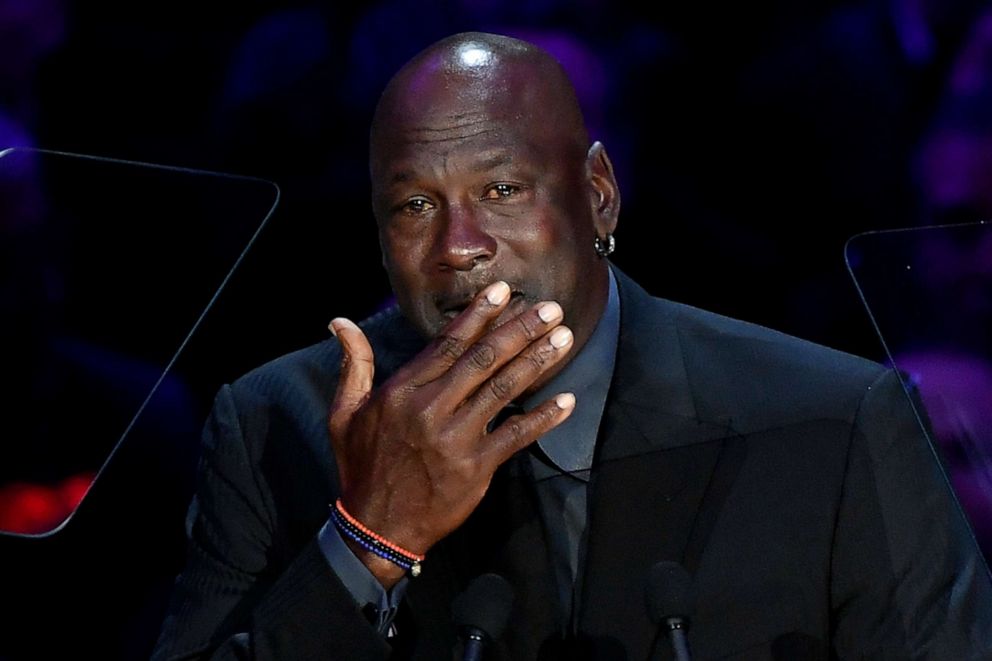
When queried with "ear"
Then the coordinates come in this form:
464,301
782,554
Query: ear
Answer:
383,248
605,194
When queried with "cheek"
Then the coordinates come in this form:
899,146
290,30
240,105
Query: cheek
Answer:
402,257
539,250
557,244
552,256
546,229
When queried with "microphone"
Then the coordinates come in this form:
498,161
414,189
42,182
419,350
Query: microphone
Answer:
481,612
668,599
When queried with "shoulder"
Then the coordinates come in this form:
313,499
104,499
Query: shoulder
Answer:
741,371
271,422
742,347
304,380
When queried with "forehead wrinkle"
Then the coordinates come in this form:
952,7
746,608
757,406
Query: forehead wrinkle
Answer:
442,115
425,135
479,162
420,137
492,162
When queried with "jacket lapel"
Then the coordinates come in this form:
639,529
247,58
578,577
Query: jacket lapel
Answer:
661,474
504,536
660,477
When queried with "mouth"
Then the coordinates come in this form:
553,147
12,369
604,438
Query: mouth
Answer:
451,308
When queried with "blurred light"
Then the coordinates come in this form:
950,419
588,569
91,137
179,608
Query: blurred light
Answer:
473,56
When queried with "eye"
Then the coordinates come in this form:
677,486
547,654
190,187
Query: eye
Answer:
416,206
497,191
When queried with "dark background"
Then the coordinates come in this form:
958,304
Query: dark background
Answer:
750,141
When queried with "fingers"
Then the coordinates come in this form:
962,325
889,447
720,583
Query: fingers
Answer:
355,381
519,431
462,332
526,341
518,375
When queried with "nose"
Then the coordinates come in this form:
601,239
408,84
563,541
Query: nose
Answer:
462,242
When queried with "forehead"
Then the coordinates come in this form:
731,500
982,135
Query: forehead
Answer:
434,115
460,145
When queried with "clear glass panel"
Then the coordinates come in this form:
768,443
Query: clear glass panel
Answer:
106,269
929,293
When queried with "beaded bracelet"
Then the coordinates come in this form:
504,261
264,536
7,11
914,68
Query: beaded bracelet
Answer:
372,542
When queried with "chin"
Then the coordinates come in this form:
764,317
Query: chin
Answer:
430,327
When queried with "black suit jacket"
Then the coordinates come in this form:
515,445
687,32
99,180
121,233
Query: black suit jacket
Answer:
792,481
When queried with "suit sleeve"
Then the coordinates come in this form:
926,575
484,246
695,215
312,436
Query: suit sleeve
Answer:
229,603
907,578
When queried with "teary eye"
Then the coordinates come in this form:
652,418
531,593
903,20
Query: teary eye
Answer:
417,205
497,191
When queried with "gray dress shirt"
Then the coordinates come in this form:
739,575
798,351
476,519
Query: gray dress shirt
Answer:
560,463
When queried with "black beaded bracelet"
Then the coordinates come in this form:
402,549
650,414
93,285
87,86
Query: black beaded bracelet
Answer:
370,541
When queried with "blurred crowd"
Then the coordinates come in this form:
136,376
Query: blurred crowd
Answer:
750,142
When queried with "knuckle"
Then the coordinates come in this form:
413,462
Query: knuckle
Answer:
449,347
393,396
425,414
465,469
419,424
390,392
530,330
482,355
502,386
539,356
535,361
549,414
515,429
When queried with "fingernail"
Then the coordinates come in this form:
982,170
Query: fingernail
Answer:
497,292
565,401
548,312
338,323
560,337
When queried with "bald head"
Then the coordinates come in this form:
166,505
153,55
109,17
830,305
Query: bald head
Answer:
474,76
482,171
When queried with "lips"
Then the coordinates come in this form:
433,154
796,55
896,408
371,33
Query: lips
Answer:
453,305
453,309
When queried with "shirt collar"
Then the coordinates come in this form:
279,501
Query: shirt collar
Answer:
570,446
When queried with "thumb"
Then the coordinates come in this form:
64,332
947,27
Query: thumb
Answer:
355,381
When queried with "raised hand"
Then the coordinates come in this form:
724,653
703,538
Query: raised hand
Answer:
414,456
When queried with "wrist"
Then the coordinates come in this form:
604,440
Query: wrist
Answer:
385,559
385,572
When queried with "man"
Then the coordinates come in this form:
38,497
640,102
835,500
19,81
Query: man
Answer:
790,480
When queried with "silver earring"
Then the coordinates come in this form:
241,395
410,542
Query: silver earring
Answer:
605,246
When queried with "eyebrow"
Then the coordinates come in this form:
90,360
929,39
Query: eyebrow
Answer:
492,162
483,165
401,177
